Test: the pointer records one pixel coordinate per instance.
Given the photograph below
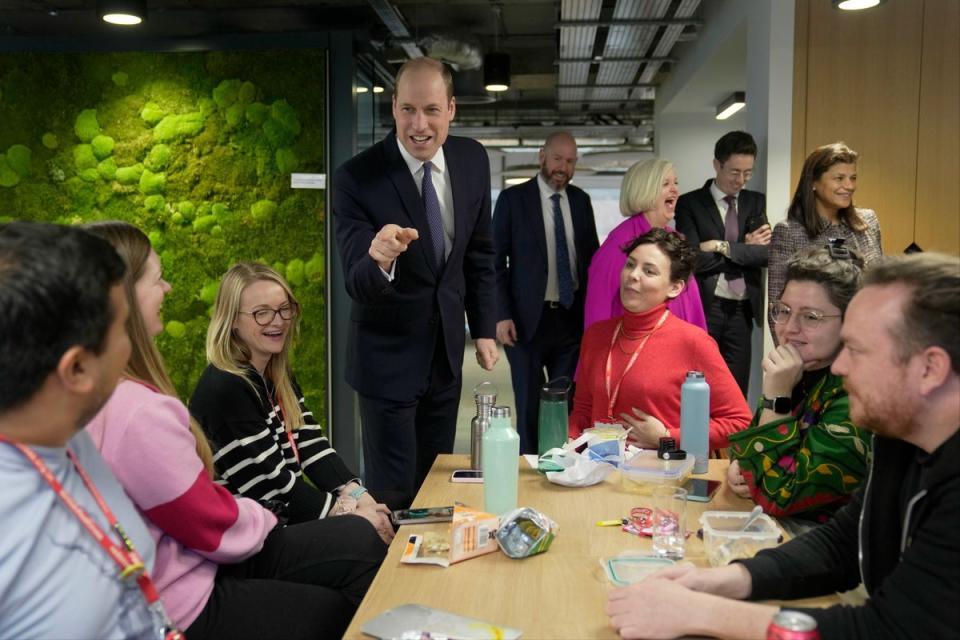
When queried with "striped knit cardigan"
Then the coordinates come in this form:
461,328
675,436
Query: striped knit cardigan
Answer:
253,454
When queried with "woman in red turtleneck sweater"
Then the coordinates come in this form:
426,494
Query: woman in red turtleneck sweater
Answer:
631,367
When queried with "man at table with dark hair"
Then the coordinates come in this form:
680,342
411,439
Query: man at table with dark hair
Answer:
63,347
901,365
545,236
412,217
729,225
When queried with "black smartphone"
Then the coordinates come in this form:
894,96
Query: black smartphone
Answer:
699,490
467,475
422,516
753,223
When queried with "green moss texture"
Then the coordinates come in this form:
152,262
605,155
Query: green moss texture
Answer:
196,150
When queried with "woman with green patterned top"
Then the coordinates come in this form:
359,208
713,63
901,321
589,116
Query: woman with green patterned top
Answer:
801,455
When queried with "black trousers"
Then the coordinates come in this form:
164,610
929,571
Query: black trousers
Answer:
401,439
730,323
555,347
306,582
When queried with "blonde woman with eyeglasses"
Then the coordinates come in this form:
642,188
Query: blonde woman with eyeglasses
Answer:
268,445
802,455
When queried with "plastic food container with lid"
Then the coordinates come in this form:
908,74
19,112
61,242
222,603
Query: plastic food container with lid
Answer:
725,540
645,470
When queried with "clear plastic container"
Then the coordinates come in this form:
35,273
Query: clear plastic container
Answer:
629,567
725,541
645,470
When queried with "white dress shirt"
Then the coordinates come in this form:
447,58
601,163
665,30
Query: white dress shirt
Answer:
723,289
552,294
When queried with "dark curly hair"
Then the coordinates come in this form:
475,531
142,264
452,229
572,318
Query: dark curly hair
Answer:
839,276
673,246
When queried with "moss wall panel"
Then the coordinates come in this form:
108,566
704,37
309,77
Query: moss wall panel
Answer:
194,148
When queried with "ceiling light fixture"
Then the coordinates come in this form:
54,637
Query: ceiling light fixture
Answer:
377,88
496,65
122,12
499,142
855,5
363,89
731,104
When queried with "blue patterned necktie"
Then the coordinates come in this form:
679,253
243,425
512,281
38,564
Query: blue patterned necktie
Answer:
564,277
731,233
431,204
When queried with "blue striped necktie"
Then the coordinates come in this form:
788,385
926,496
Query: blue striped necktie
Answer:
564,277
431,204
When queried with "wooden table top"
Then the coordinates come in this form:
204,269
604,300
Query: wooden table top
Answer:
557,594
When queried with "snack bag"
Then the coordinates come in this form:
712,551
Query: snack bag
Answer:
471,533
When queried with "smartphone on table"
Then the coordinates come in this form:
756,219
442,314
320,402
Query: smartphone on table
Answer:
699,490
467,475
422,516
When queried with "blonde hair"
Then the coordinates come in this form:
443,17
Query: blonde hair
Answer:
145,362
641,186
227,352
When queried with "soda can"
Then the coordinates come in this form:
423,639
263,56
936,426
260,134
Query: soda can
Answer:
792,625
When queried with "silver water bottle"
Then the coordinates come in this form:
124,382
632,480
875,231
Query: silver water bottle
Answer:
485,395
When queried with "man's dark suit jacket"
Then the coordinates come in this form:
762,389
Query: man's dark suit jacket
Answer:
394,325
519,235
698,219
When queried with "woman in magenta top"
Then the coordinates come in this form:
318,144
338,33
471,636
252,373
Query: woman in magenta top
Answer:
632,366
648,197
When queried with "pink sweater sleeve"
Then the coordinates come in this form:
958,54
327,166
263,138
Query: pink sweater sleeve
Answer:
149,446
603,278
688,305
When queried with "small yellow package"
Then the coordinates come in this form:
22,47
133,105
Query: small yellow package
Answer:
471,533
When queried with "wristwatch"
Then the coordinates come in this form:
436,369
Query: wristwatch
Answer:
723,248
780,404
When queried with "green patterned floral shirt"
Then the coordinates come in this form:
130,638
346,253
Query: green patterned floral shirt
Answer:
806,464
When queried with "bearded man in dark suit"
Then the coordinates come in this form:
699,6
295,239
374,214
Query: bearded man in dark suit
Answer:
545,236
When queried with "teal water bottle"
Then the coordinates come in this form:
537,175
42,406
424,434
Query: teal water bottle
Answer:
552,419
695,419
501,454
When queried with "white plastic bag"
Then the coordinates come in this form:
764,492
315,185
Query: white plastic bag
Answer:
578,470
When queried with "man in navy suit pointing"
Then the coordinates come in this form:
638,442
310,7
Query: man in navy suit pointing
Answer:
545,236
412,219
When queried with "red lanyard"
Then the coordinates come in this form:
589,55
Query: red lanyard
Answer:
126,557
293,445
283,423
612,395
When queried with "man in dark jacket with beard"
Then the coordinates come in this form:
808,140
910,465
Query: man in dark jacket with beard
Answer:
899,535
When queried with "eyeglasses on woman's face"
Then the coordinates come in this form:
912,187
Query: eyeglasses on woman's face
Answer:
264,316
808,319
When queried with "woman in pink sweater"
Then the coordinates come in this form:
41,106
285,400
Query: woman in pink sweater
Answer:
224,567
648,198
632,366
